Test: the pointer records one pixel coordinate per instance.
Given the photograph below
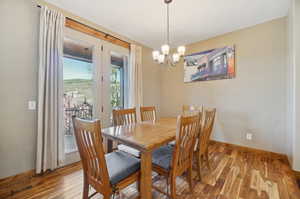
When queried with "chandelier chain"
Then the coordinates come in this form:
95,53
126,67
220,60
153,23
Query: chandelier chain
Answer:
168,25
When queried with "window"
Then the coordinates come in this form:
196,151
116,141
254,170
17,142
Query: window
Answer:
117,82
78,87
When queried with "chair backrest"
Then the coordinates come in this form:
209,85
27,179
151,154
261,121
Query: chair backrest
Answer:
191,110
208,124
187,128
124,116
188,110
89,141
148,113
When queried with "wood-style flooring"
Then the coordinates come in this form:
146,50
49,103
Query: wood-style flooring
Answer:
237,173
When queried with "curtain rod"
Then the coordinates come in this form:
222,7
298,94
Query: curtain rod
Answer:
106,34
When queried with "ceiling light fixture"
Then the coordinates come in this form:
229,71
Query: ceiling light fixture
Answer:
164,56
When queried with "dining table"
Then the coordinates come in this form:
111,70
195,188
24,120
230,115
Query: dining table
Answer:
146,137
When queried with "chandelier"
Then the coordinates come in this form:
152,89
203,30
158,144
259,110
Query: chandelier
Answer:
164,57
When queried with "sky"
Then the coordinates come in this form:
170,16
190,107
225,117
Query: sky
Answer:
74,69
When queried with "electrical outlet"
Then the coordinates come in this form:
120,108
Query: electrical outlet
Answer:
249,136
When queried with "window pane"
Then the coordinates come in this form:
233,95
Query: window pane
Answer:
78,88
116,87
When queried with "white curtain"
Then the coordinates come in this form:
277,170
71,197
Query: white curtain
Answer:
50,93
134,80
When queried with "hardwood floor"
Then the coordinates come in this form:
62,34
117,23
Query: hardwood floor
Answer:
237,172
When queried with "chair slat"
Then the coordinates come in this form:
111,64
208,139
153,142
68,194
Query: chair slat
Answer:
148,113
124,117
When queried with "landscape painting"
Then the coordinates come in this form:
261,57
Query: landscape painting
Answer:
218,63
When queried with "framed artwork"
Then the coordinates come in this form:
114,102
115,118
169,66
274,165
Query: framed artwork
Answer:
218,63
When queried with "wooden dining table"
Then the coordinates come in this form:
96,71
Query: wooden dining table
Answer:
145,137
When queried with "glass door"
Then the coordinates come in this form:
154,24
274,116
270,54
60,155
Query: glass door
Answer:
81,63
115,59
78,87
94,74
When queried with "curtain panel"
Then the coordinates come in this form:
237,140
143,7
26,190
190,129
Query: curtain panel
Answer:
134,80
50,135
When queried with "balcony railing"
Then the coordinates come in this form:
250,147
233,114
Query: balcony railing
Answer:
83,111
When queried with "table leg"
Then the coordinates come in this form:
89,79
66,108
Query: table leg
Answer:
108,145
146,175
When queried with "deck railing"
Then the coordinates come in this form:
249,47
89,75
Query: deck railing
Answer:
83,111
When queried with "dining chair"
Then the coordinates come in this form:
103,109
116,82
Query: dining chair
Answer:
204,139
109,173
126,117
171,161
187,108
148,113
190,109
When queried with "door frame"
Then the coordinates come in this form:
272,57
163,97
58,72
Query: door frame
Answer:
101,76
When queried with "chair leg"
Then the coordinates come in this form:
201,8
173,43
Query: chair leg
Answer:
168,185
173,187
85,189
190,178
207,160
198,165
138,185
108,196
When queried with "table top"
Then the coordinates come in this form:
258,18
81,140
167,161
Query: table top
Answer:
144,136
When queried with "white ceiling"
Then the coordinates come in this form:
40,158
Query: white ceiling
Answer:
190,20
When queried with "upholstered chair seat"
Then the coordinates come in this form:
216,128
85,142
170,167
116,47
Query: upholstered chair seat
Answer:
120,165
162,157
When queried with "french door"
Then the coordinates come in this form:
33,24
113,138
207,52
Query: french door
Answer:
94,83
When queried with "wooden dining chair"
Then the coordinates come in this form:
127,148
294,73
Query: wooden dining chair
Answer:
148,113
186,108
126,117
174,161
190,109
204,139
109,173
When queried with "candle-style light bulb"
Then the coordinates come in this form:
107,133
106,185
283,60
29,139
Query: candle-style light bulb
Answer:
165,49
181,50
161,58
155,55
176,57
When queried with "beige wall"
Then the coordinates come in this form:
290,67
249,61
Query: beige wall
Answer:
296,34
254,101
151,80
18,82
290,86
294,82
